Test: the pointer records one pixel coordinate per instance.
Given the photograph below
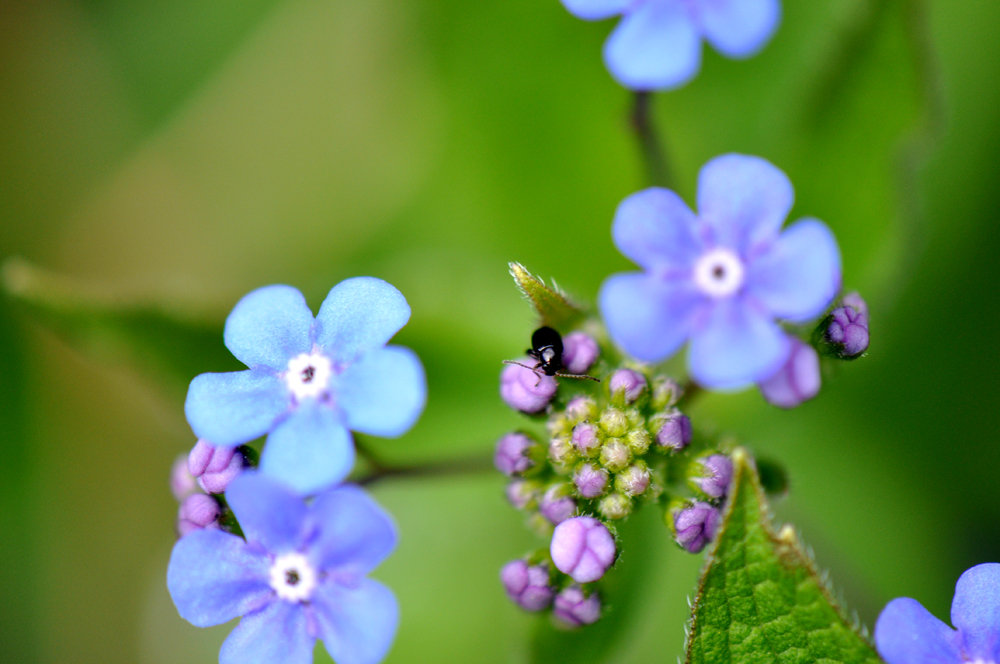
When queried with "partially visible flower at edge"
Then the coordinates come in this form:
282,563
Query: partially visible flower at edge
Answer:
310,380
300,575
719,278
657,44
797,381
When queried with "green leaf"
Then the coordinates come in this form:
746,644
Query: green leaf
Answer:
553,306
169,345
760,599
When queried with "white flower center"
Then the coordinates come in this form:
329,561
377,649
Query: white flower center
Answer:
719,273
308,375
293,578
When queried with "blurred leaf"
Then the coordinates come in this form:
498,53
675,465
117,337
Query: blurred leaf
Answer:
165,344
760,598
553,306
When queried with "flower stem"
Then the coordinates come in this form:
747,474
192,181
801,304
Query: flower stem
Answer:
380,470
654,157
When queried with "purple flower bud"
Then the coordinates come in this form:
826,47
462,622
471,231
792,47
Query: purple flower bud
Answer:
797,381
583,548
521,493
214,467
714,474
634,480
182,483
512,456
197,512
615,455
556,505
694,525
586,438
848,327
629,382
590,480
674,432
524,390
561,451
573,608
581,408
527,585
580,351
615,506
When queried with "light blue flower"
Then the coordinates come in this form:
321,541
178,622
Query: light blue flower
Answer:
310,381
657,44
719,278
299,576
906,633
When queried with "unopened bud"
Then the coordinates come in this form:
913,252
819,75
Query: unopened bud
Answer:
556,504
561,451
694,525
580,351
586,438
638,441
847,327
214,467
522,494
628,383
634,480
583,548
590,480
527,585
712,475
615,506
581,409
197,512
615,455
614,422
673,430
574,608
524,390
513,454
182,482
797,381
665,392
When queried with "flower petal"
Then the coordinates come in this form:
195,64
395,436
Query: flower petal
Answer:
739,28
734,344
593,10
310,450
276,633
359,314
798,276
654,227
654,47
354,533
268,513
907,633
357,624
648,316
269,326
743,201
229,409
975,611
383,392
214,576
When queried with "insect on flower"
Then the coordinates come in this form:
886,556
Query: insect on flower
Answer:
547,349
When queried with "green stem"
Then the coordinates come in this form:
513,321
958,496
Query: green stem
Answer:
463,466
654,156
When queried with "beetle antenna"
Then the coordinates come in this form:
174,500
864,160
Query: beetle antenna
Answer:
534,368
566,375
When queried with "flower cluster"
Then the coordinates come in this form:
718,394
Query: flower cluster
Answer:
288,547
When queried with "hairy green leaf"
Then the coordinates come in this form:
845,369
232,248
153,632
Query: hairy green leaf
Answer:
760,599
553,306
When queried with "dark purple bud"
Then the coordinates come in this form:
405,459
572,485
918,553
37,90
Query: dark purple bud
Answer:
583,548
628,382
581,408
524,390
574,608
634,480
521,493
674,432
580,351
713,475
797,381
590,480
214,467
197,512
527,585
556,505
586,438
694,525
182,483
847,330
512,455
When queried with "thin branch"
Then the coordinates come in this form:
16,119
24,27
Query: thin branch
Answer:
464,466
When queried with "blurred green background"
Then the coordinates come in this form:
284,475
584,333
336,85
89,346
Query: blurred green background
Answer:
160,159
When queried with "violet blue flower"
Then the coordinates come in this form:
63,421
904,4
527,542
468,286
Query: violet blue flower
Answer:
580,351
524,390
527,585
719,278
583,548
797,381
310,380
906,633
300,575
574,608
657,45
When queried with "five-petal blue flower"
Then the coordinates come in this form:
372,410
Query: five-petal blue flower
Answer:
906,633
299,576
657,45
720,277
311,380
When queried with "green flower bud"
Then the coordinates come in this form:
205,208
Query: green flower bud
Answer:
638,441
665,393
614,422
615,506
634,480
562,452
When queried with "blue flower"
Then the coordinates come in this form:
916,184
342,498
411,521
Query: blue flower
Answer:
311,380
657,45
906,633
299,576
720,277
